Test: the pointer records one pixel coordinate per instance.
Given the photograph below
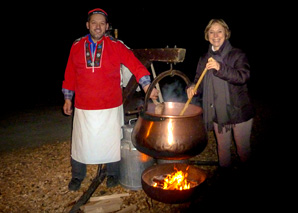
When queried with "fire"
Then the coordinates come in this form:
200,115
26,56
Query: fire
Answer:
175,181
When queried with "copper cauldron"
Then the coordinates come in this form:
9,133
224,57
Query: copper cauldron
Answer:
169,135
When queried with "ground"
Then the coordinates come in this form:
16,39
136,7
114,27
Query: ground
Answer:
33,126
35,169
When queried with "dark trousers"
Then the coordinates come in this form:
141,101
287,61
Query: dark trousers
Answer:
78,170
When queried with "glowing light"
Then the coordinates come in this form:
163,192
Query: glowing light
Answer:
149,129
175,181
170,133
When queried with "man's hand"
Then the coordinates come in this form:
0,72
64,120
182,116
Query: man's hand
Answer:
67,107
154,93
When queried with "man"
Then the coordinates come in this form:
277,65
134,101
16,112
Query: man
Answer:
93,75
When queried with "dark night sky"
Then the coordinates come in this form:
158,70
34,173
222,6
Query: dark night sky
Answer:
43,37
36,40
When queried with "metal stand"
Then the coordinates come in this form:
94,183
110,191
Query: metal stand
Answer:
100,176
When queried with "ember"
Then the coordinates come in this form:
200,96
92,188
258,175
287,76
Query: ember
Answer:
175,181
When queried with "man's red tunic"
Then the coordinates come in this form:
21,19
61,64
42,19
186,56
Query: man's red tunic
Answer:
95,78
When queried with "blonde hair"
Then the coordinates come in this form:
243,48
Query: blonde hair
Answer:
222,23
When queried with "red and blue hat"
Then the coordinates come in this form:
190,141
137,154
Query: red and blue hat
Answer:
97,11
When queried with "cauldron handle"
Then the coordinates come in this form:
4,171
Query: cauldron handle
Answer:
161,76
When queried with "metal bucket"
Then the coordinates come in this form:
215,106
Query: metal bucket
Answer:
132,162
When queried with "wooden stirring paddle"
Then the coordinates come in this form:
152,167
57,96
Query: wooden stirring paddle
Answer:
195,88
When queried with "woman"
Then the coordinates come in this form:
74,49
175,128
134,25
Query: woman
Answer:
226,104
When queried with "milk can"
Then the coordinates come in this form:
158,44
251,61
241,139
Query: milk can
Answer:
132,162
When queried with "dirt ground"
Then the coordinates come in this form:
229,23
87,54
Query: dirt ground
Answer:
33,127
35,169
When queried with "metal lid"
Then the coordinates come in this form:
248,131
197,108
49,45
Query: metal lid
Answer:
127,129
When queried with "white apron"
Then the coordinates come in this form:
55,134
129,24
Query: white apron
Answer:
96,135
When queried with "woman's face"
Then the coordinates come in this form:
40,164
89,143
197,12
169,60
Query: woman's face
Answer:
216,35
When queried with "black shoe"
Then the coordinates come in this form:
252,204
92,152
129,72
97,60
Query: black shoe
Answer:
74,184
112,181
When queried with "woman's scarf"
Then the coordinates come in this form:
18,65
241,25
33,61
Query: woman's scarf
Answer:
216,96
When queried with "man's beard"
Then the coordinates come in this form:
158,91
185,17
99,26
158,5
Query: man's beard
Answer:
95,36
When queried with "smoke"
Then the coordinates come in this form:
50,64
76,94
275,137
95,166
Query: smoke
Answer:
174,92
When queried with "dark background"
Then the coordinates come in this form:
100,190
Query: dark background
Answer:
37,40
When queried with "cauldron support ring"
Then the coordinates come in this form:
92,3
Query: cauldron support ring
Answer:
171,73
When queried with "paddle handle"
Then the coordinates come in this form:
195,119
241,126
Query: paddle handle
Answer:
157,85
196,87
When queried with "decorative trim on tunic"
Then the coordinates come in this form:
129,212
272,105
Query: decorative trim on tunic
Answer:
97,54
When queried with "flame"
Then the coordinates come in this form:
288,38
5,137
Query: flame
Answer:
175,181
170,133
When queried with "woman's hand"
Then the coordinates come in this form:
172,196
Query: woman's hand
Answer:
191,92
212,64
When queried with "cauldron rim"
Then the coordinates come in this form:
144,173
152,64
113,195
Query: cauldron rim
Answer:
191,111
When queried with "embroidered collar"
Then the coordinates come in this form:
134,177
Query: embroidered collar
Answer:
93,53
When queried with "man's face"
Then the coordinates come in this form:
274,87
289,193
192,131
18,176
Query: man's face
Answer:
97,26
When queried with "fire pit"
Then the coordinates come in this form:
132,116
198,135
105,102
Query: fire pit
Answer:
151,176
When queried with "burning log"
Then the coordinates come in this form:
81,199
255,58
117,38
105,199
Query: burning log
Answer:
158,181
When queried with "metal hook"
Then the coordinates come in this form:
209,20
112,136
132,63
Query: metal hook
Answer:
172,72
